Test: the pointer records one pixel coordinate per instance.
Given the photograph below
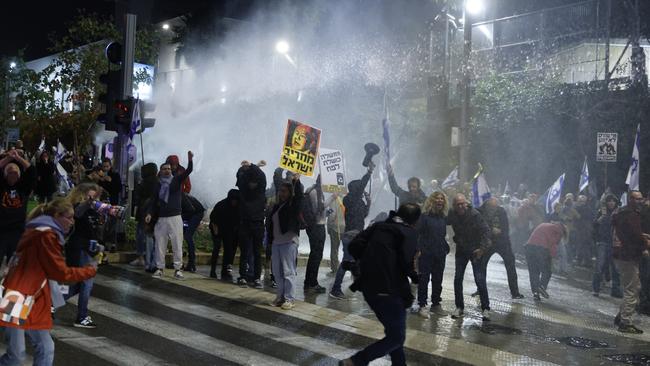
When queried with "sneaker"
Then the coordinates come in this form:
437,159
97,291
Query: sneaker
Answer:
318,289
517,297
337,294
486,315
536,297
277,302
437,310
158,274
178,274
258,284
457,314
226,277
287,305
423,312
242,282
629,328
274,284
138,262
542,291
86,322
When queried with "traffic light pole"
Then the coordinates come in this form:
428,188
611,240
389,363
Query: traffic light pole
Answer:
463,168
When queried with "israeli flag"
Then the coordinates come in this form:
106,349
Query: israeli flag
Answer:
60,150
451,180
632,179
480,190
624,199
41,147
553,194
584,177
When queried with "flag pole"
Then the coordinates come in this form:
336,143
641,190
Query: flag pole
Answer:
141,148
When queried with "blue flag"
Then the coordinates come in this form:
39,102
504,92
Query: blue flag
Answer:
553,194
584,177
480,190
451,180
632,179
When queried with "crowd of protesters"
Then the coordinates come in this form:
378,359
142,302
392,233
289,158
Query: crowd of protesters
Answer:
264,221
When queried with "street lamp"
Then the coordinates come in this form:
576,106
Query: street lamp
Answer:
12,65
474,7
165,26
282,47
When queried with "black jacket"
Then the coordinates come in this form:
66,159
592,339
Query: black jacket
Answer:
13,200
386,255
253,201
432,232
46,178
112,188
497,218
471,232
356,210
86,228
289,214
146,190
191,207
405,196
173,205
224,216
602,230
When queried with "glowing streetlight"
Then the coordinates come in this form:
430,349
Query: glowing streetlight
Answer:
165,26
474,7
282,47
12,65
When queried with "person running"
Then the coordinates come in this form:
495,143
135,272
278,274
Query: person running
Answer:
283,230
386,255
167,211
224,220
38,259
192,212
603,237
472,238
432,252
541,248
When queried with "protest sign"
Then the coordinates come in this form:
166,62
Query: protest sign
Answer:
332,170
300,148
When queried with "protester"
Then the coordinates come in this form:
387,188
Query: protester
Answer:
251,182
335,228
356,211
177,169
432,252
15,187
224,221
603,237
542,246
46,178
110,182
472,238
497,218
38,259
192,212
283,230
167,215
386,255
145,197
414,193
570,216
630,245
583,232
313,214
79,249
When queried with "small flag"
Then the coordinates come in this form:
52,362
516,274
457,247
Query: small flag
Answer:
135,119
584,177
624,199
553,194
60,150
451,180
506,190
41,147
480,190
632,179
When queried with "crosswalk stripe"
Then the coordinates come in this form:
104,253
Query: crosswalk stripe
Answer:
107,349
183,336
276,333
424,342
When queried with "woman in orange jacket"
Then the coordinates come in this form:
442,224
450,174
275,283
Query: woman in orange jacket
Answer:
38,258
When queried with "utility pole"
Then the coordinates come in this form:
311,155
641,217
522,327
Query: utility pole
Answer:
466,94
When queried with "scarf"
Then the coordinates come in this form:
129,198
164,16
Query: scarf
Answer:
163,194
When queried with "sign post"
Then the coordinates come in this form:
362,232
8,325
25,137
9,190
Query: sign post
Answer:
606,149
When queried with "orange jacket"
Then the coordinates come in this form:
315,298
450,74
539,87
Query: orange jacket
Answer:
40,257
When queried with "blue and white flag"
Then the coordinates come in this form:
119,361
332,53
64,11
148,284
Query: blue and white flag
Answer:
480,190
632,179
60,150
136,123
451,180
506,190
624,199
553,194
584,177
41,147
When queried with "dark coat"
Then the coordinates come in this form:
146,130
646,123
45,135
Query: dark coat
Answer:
356,210
627,225
471,232
46,179
288,214
497,218
86,228
173,205
405,196
253,201
432,232
224,216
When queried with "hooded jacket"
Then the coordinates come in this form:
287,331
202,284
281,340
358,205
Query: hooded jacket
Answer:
226,217
471,232
39,257
186,185
146,190
253,200
356,210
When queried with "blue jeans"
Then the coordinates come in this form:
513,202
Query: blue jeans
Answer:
340,273
391,312
188,235
283,261
431,267
83,290
16,355
145,246
479,277
604,263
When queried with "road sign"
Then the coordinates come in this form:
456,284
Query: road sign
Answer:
607,147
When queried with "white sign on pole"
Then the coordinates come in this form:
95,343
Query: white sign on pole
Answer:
332,170
455,136
607,147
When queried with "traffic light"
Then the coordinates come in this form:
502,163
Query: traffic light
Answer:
123,110
146,122
112,80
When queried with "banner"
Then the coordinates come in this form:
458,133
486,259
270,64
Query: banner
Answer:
300,148
332,171
606,143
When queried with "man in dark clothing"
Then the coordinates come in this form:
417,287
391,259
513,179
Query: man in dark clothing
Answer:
251,182
169,224
583,233
224,220
472,238
110,181
177,168
386,255
603,237
192,212
313,213
497,218
15,187
630,244
145,196
414,193
356,212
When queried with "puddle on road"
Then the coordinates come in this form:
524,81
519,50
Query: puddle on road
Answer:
634,359
579,342
495,329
